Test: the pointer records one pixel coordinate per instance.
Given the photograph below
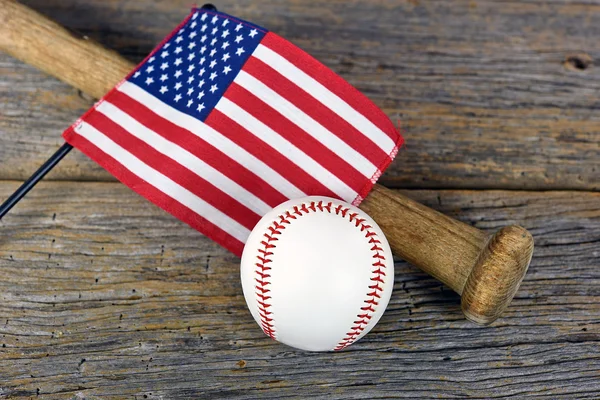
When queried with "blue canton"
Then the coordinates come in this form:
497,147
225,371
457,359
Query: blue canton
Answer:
192,70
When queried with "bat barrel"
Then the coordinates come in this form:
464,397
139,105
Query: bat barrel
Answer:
485,270
497,274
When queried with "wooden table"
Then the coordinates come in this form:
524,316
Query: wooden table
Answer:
104,294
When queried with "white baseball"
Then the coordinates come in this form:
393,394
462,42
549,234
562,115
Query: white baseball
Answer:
317,273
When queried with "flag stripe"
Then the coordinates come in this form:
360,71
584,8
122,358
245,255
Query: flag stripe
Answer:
162,183
274,54
174,171
305,122
256,146
213,137
283,146
306,143
200,148
324,115
182,157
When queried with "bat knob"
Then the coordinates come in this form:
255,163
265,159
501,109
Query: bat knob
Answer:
497,274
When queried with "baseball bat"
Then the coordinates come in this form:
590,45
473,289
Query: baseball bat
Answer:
486,270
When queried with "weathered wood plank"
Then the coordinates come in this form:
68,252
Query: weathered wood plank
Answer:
483,90
104,294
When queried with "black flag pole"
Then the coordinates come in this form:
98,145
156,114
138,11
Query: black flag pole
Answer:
47,166
34,179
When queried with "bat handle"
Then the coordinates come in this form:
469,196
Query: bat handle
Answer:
486,270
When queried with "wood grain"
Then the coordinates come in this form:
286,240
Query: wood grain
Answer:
490,94
104,294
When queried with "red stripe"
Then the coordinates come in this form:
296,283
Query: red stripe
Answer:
175,171
200,148
331,81
290,171
153,194
315,109
295,135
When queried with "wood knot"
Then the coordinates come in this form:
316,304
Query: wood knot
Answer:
578,62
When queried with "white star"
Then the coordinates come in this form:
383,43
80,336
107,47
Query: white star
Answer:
226,70
137,73
166,46
177,98
202,60
239,38
151,59
190,102
213,63
226,57
200,95
225,22
192,35
202,71
213,76
201,84
178,50
225,34
203,49
190,91
203,38
200,107
164,54
239,51
195,15
191,45
178,86
164,66
181,31
149,80
163,89
213,88
191,68
225,45
150,69
193,25
212,52
179,39
191,56
191,79
178,73
203,18
177,62
253,33
238,27
212,42
215,30
164,77
214,19
204,27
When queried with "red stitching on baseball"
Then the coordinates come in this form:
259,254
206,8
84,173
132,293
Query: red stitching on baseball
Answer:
373,293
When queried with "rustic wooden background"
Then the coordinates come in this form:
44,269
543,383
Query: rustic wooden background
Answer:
103,294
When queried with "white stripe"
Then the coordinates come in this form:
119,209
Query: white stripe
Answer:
306,123
214,138
163,183
184,157
325,96
287,149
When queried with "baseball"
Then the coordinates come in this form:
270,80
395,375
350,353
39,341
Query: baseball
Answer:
317,273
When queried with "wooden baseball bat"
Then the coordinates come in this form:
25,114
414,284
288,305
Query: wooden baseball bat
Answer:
486,270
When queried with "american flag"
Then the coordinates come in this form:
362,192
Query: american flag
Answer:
225,120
